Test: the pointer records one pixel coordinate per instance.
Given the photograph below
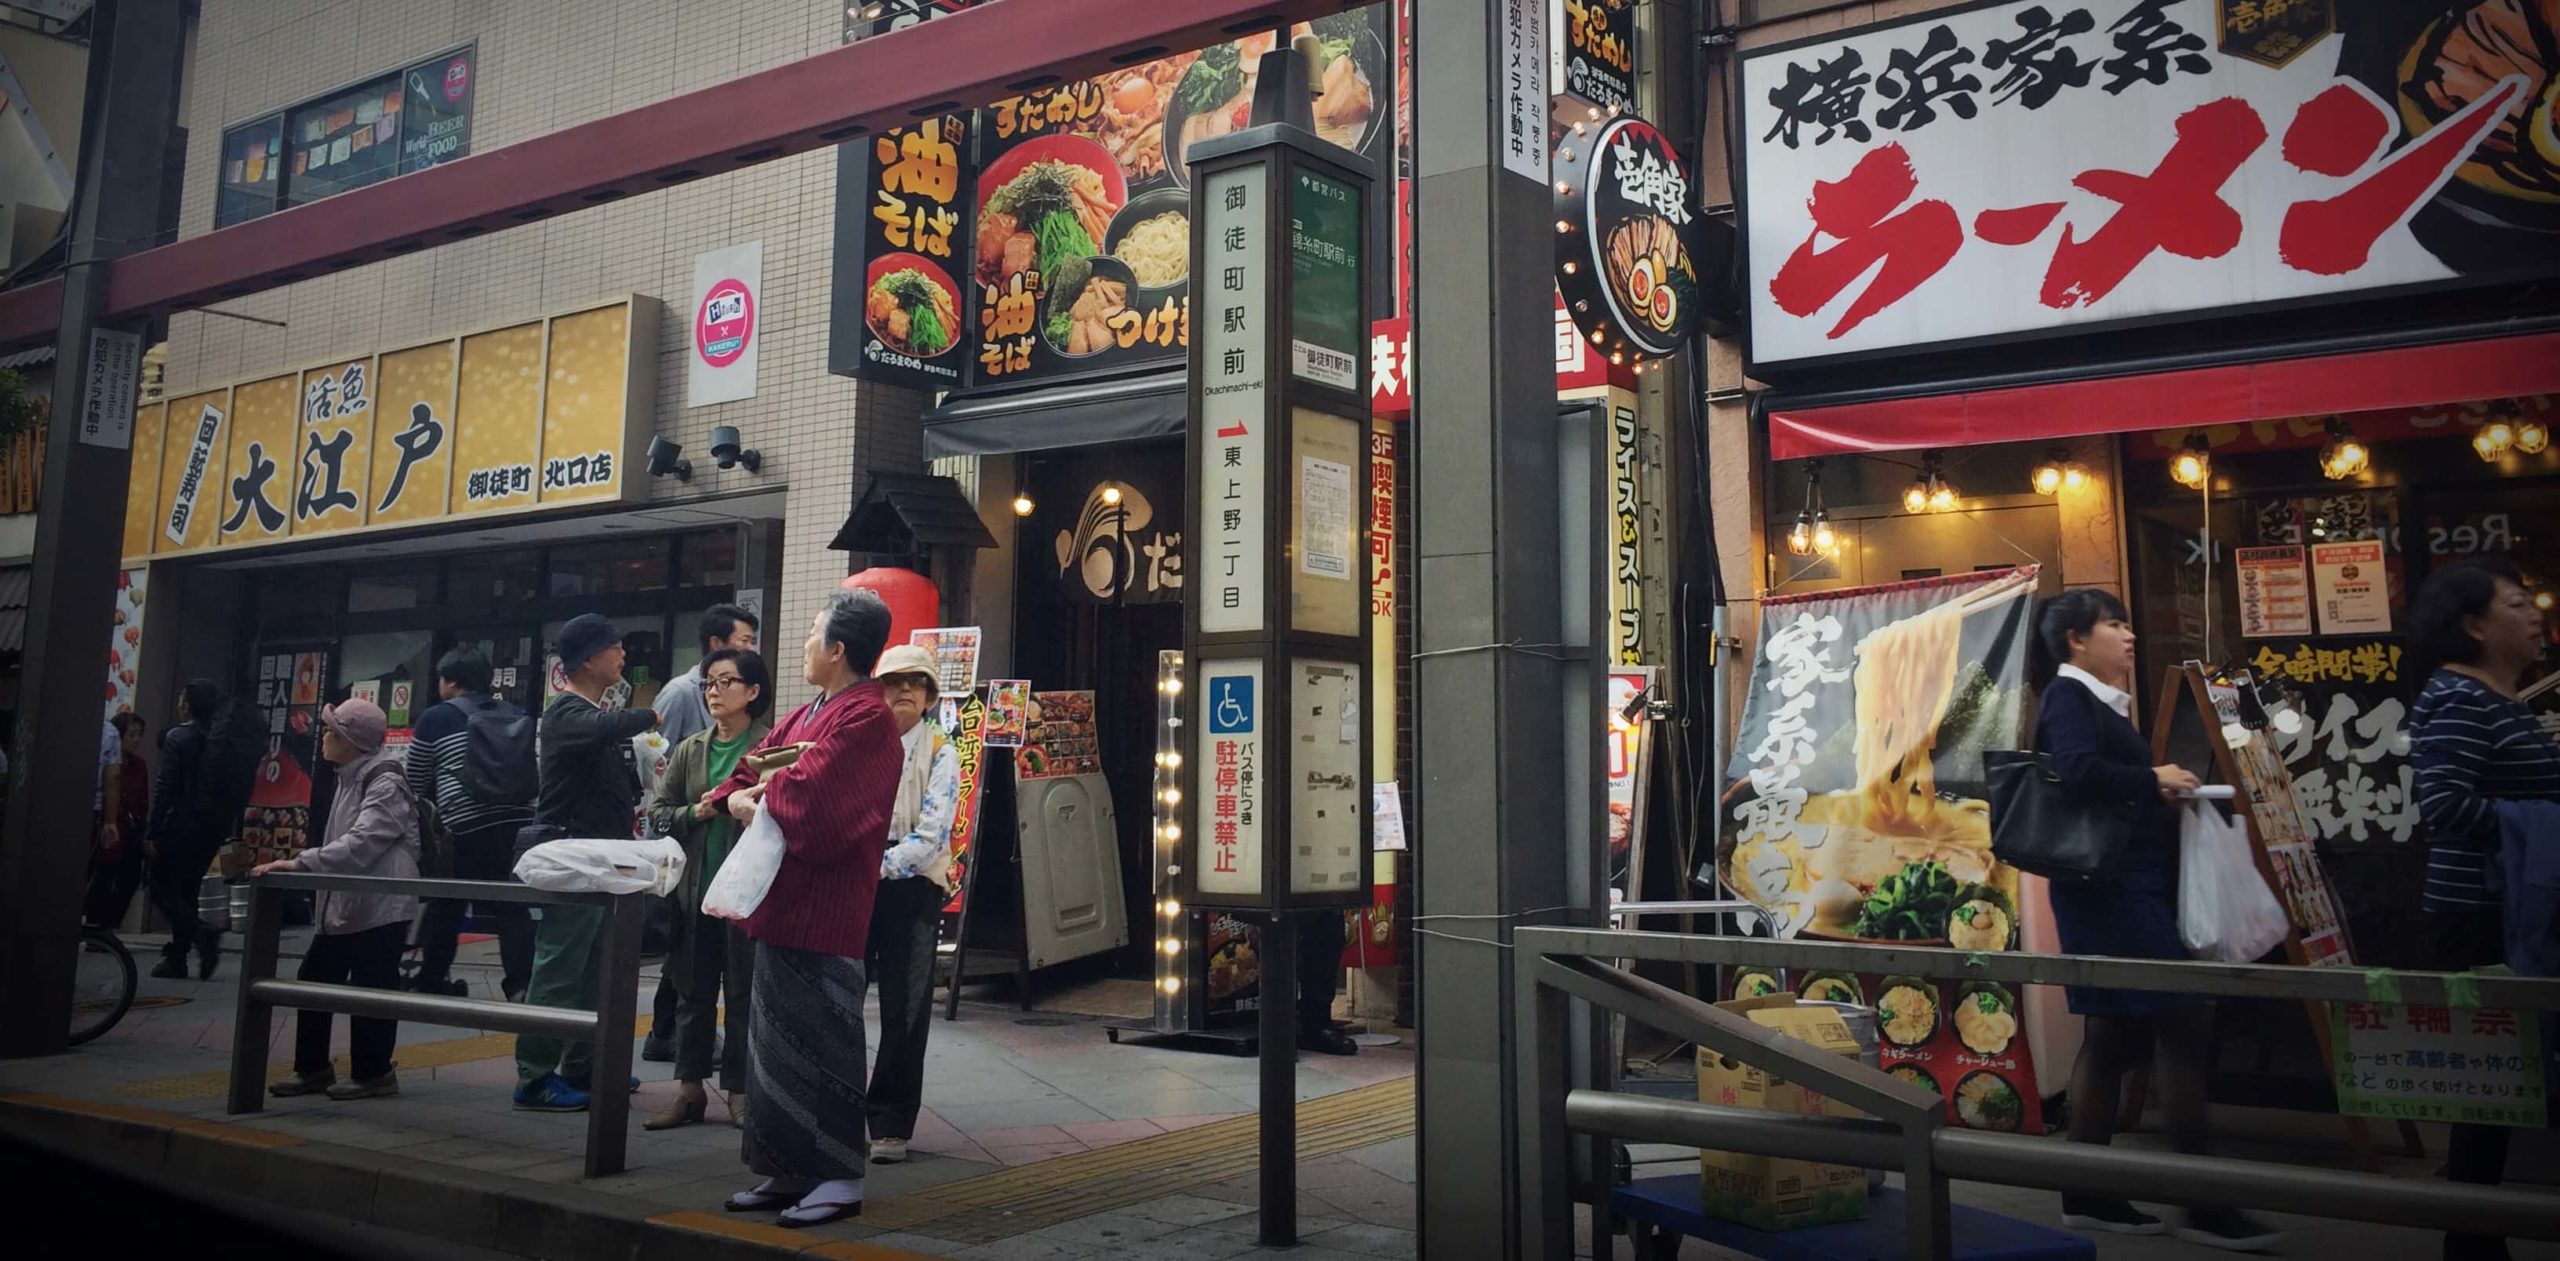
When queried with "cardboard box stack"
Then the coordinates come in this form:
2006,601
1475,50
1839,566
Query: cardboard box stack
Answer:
1769,1192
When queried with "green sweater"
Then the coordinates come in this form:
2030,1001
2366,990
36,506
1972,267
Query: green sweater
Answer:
699,762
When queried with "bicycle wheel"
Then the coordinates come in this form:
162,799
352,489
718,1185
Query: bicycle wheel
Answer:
102,985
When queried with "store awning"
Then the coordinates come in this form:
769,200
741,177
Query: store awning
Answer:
899,511
1072,415
2309,385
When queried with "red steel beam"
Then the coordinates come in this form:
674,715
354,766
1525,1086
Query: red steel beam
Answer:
967,59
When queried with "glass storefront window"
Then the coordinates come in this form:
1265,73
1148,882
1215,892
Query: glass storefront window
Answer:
707,559
489,580
615,566
298,593
381,590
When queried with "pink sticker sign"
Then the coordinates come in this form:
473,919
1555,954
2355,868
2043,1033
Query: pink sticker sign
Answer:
724,323
457,78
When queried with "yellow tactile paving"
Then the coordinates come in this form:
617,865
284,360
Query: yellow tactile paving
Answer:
1068,1187
415,1056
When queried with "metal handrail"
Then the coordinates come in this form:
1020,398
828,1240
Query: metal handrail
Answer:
609,1026
1555,965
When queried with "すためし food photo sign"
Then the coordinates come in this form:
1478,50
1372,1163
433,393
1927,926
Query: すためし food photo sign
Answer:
1080,250
1857,808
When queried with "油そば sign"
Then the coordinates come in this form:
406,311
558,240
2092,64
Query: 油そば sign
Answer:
2019,169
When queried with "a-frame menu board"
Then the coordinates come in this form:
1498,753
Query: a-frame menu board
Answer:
2201,720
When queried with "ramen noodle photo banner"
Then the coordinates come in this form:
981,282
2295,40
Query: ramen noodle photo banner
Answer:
1855,808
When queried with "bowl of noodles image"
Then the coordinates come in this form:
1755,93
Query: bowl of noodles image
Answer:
1986,1101
1907,1012
1756,983
1986,1017
1046,203
910,303
1891,856
1152,235
1085,297
1214,97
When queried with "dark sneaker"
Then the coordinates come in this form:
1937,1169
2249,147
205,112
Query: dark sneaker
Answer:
2228,1229
550,1095
2116,1217
658,1047
382,1087
170,968
208,957
301,1084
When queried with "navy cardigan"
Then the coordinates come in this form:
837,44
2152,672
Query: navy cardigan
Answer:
2101,757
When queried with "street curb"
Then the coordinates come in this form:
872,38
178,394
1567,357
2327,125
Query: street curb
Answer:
181,1155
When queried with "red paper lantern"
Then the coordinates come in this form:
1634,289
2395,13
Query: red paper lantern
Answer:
915,603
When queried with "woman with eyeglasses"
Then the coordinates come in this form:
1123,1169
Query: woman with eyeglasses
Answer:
707,956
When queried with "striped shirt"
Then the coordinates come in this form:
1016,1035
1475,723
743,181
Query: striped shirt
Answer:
2473,747
438,747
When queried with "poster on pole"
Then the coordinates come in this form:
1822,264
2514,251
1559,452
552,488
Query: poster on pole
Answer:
1629,741
955,655
728,285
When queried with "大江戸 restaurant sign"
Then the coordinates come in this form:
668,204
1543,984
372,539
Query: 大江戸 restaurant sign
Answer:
543,414
2014,169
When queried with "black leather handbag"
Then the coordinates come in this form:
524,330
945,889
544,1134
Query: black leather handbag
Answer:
2038,827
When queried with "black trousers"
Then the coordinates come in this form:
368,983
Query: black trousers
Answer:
112,882
706,957
371,959
1321,937
177,877
905,919
487,854
2475,1154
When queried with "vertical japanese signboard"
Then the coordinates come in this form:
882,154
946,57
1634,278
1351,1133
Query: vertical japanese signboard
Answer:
1596,52
1522,82
1228,815
912,331
191,460
336,403
115,367
1281,463
1230,490
1324,294
263,436
2036,168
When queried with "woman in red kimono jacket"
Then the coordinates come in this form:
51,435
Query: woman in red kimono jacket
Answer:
804,1122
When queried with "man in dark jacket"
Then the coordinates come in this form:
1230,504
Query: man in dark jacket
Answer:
186,829
484,832
589,787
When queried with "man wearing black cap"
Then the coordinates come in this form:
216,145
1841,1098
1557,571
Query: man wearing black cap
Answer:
588,785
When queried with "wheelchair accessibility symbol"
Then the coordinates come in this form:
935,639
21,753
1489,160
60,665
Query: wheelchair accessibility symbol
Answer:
1231,704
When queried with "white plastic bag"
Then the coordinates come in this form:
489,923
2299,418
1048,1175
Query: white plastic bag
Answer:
738,888
599,865
2226,913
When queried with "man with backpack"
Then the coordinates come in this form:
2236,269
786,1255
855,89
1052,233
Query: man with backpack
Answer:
208,763
682,712
471,759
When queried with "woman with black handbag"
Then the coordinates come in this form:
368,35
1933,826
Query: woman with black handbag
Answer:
2083,668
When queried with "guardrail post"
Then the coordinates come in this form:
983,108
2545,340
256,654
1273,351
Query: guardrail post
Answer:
252,1021
1546,1205
1927,1232
617,1006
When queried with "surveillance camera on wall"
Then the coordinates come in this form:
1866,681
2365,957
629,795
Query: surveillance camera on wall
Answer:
725,452
666,459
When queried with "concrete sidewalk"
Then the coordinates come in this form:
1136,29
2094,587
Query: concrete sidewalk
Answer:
1041,1139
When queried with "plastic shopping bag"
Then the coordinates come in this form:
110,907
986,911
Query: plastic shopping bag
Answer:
738,888
2226,913
597,865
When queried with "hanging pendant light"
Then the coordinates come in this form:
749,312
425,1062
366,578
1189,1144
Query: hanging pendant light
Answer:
2532,437
1800,539
2345,456
1812,534
2497,435
2193,463
2047,477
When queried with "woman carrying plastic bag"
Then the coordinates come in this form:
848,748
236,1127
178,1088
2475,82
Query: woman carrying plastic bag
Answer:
2226,913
